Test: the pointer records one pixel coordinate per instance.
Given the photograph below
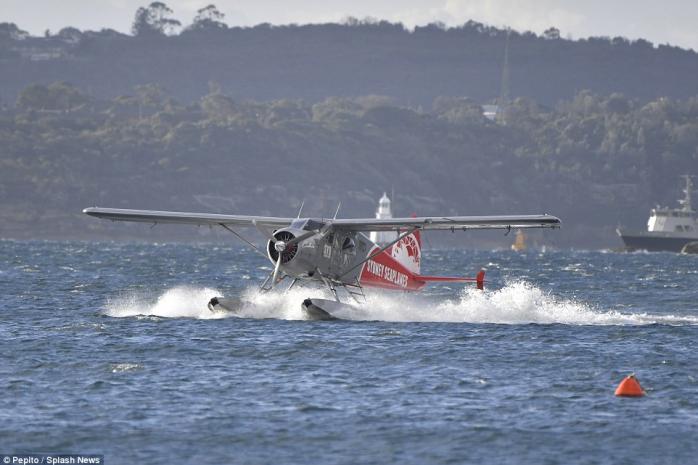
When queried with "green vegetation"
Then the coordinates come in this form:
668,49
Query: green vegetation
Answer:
593,160
357,57
209,117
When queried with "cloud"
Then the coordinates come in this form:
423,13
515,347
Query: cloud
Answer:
519,14
669,21
536,15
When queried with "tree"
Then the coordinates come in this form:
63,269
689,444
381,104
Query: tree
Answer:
617,103
70,35
458,110
552,33
217,106
642,44
33,97
619,41
208,18
154,20
58,96
10,31
150,94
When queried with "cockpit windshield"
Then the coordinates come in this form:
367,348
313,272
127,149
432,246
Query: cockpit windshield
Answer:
307,224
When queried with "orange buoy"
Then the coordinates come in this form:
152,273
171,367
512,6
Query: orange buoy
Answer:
630,387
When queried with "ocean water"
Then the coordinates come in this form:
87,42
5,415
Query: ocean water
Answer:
110,349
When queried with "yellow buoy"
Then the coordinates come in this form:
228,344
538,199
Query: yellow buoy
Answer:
519,244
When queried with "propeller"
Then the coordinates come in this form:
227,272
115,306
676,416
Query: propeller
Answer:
286,247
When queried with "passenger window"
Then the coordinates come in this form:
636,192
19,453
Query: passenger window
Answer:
348,244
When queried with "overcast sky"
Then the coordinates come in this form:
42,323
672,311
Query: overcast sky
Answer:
660,21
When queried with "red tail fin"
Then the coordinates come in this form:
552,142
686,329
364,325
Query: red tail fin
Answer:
480,280
408,252
417,234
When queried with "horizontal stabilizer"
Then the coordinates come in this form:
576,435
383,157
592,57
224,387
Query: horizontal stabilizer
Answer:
479,279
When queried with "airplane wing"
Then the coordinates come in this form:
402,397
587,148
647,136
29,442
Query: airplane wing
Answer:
154,216
448,223
358,224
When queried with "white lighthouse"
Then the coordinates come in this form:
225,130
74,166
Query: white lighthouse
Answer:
383,212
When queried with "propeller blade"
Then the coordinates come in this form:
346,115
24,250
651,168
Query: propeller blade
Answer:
276,269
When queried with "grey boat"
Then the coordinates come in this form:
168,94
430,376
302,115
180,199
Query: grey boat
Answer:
668,229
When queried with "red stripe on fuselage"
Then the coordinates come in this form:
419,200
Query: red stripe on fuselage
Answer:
385,272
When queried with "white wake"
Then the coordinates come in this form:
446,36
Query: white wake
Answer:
178,302
516,303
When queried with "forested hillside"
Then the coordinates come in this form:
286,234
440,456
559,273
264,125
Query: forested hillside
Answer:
594,160
314,62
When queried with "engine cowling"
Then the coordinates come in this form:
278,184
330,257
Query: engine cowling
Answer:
288,252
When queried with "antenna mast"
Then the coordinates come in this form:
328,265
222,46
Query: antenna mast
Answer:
504,89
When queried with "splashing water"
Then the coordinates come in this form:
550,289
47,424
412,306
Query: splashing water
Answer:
178,302
516,303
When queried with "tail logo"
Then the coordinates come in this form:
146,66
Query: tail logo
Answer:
408,253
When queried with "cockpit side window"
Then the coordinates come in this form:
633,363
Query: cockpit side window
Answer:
348,244
313,225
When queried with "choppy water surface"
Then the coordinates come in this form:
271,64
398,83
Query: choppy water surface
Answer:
110,349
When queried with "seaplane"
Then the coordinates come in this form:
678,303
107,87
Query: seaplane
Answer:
335,253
